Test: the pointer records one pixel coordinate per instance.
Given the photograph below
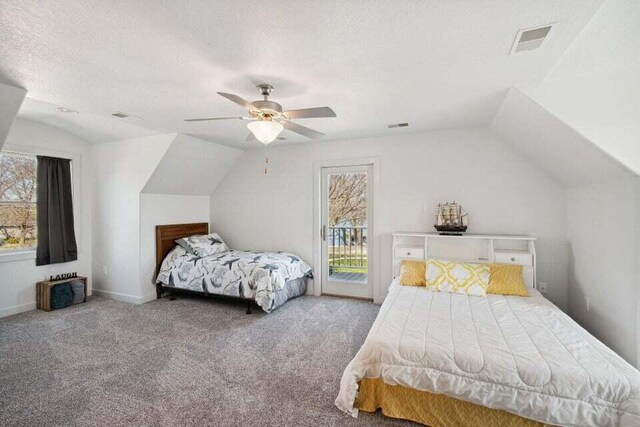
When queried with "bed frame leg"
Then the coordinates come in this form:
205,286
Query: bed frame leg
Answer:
158,292
172,297
249,308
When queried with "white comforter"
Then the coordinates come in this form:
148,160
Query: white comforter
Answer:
522,355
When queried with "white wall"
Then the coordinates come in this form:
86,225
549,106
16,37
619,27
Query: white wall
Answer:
205,162
604,229
158,209
139,184
18,278
122,169
502,192
602,213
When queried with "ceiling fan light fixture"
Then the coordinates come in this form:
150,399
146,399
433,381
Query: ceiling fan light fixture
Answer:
265,131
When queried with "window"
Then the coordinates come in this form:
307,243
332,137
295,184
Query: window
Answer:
17,202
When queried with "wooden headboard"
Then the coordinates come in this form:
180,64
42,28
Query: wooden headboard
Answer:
167,234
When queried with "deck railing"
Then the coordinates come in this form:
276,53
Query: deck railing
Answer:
347,249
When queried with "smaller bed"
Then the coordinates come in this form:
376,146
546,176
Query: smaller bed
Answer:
267,279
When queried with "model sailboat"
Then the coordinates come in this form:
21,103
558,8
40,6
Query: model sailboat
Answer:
451,219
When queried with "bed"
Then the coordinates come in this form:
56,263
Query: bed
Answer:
265,279
446,359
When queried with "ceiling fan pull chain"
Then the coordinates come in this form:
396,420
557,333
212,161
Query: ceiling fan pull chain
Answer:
266,159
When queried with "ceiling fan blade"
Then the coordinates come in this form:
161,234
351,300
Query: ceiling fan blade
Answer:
250,138
310,113
302,130
240,101
218,118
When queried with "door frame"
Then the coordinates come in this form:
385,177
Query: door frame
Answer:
343,287
373,232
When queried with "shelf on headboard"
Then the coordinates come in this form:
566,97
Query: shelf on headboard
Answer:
471,248
464,236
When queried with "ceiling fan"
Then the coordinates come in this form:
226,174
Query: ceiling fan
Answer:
268,119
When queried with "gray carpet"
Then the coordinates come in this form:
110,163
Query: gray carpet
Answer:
187,362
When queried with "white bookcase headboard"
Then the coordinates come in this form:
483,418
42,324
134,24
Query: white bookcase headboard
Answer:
472,248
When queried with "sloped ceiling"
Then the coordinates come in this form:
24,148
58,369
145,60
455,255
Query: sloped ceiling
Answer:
434,64
203,162
602,106
10,100
610,41
122,168
553,144
595,87
93,128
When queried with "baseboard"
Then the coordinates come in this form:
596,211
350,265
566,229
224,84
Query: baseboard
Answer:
131,299
148,297
311,287
4,312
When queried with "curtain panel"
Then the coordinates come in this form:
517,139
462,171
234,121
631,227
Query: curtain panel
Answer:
56,234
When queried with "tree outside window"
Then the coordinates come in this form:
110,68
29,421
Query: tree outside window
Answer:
17,201
347,227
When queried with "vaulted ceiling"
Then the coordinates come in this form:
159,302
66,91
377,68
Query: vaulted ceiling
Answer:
595,87
435,64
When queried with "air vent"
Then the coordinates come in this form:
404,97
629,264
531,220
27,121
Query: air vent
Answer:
281,138
127,117
398,125
530,39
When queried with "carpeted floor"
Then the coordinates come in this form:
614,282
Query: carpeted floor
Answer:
192,361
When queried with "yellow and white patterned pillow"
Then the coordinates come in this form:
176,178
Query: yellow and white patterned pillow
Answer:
457,278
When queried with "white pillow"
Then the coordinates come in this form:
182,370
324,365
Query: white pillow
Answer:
457,278
203,245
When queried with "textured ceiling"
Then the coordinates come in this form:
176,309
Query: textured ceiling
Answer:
595,87
207,165
95,128
610,41
553,144
434,64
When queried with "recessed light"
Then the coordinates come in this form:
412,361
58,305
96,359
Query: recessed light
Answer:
398,125
67,110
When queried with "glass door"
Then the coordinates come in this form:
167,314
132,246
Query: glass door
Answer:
346,215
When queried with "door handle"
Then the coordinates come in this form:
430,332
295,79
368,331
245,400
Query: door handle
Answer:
323,233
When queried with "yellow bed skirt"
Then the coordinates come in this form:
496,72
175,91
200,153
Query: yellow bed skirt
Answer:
435,410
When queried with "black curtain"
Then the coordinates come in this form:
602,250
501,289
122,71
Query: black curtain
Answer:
56,236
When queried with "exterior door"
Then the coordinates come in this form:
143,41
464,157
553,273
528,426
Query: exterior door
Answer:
346,208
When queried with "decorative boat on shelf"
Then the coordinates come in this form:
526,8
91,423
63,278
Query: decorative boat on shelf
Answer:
451,219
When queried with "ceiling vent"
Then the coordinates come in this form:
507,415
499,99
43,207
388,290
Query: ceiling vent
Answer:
530,39
127,117
398,125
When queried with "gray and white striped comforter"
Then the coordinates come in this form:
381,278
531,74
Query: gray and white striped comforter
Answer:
253,275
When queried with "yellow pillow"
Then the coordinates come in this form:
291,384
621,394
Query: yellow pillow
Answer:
412,273
506,279
457,278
